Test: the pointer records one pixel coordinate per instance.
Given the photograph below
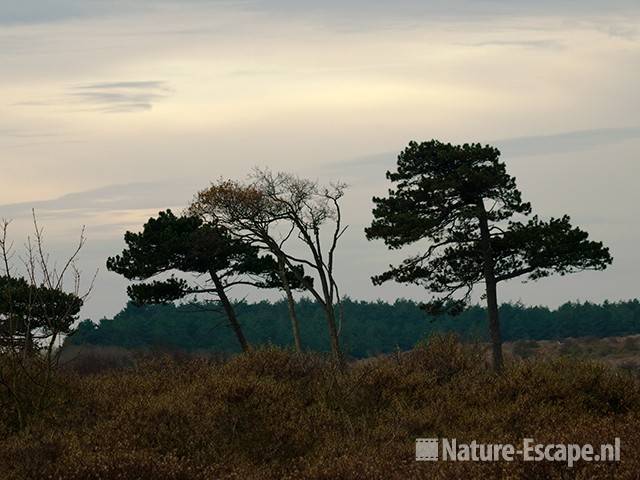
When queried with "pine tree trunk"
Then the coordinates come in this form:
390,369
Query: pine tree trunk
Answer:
291,305
494,324
491,291
231,314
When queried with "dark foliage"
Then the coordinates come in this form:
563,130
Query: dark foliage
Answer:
169,243
187,244
462,201
372,327
25,308
444,194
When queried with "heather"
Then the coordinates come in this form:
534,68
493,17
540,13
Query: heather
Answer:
274,413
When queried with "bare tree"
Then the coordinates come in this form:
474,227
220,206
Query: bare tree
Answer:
251,216
273,210
39,302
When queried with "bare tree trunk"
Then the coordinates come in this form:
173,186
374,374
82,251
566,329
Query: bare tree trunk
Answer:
326,300
330,313
333,334
490,284
290,304
231,314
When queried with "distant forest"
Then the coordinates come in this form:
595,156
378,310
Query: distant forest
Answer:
371,327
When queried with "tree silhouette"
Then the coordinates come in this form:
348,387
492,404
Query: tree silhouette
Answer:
187,244
277,210
39,303
250,215
461,199
29,313
311,209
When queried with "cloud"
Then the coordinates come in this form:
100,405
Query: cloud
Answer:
107,97
37,11
129,196
120,97
11,133
139,85
548,44
18,138
624,31
32,11
358,167
565,142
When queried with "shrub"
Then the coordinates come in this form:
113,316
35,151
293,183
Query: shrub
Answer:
274,414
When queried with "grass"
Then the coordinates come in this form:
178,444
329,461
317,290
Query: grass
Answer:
274,414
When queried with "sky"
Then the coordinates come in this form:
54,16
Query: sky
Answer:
113,110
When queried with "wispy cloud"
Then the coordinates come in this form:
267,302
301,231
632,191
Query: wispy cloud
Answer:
12,133
547,44
11,138
37,11
106,97
120,97
565,142
128,196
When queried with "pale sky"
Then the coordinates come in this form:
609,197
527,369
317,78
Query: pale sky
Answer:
111,110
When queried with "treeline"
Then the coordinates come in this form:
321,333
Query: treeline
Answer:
372,327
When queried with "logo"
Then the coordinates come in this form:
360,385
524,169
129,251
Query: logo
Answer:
427,449
445,449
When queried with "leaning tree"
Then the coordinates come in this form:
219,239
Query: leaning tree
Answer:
478,230
187,244
250,215
286,214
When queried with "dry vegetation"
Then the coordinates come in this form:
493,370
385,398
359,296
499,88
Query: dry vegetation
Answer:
276,414
623,352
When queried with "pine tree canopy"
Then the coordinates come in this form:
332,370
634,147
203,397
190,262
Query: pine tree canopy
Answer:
447,194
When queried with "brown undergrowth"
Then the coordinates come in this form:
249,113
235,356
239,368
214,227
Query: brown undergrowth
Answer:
274,414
